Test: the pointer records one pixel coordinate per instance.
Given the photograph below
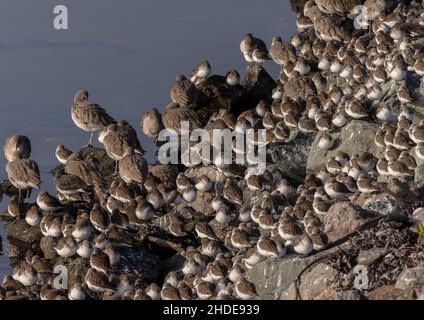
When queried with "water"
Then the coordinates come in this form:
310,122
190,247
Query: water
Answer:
126,53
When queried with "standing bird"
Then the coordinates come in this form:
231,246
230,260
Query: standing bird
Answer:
133,167
24,175
183,92
151,123
89,116
118,136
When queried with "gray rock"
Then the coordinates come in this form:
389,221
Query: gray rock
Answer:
411,278
418,106
202,204
343,218
21,231
368,257
174,263
388,292
419,170
47,246
77,268
291,157
356,137
210,171
273,276
138,262
313,283
383,203
258,82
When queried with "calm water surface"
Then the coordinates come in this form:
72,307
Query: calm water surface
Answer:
126,53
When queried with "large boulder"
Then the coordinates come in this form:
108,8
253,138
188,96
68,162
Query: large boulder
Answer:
290,158
411,278
343,218
314,284
274,276
21,231
383,203
355,138
388,292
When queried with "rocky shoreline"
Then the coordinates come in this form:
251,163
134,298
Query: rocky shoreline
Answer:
355,201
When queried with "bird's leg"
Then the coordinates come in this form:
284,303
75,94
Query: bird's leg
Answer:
90,141
29,191
19,195
116,168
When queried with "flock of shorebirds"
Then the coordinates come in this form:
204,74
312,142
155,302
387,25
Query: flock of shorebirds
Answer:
330,74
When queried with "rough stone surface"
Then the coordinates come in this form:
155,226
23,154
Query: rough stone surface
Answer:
356,137
411,278
210,171
291,157
21,231
388,292
313,284
343,218
258,82
419,170
202,204
368,257
383,203
47,246
273,276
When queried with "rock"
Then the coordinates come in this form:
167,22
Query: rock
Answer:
173,263
348,295
355,138
258,83
368,257
383,203
313,284
20,230
419,170
77,269
202,204
139,262
291,157
411,278
210,171
343,218
47,246
418,106
273,276
388,292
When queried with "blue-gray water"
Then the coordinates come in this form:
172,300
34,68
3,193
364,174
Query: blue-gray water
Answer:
126,53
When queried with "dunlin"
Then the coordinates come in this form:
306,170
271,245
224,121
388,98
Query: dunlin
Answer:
183,92
89,116
133,166
17,147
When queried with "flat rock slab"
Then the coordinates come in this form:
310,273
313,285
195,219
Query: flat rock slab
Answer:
273,276
343,218
21,231
355,138
290,158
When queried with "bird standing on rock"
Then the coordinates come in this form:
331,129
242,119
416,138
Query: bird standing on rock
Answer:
22,172
89,116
